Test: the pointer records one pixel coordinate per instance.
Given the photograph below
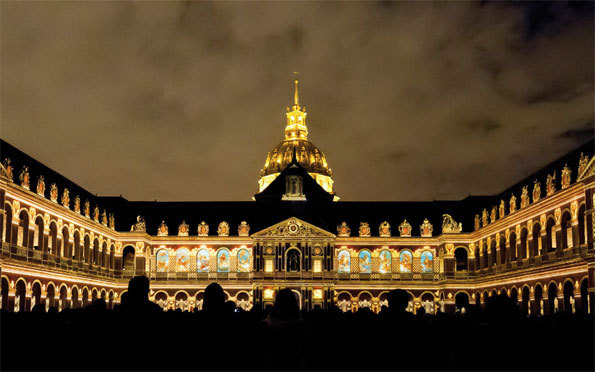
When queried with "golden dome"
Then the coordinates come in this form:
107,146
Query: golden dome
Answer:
308,155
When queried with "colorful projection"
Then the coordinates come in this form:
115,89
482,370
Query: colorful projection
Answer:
405,261
223,261
344,260
162,261
385,262
427,259
182,259
243,261
202,261
365,262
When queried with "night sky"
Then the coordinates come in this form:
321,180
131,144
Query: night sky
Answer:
409,101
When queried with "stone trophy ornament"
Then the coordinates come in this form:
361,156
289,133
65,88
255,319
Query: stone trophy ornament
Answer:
54,193
162,230
493,215
502,209
343,229
223,229
41,186
450,226
87,209
139,225
525,197
183,229
536,191
104,218
550,184
565,179
512,204
203,229
8,169
96,214
66,198
77,204
24,177
426,228
484,218
384,229
243,229
405,229
112,221
364,229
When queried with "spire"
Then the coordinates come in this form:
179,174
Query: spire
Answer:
296,118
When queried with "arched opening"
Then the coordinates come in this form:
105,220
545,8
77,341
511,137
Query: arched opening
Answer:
111,257
50,296
53,239
128,261
502,249
525,301
4,292
585,295
493,253
514,295
65,251
484,259
103,294
549,231
110,301
428,303
35,294
523,245
85,299
181,301
23,229
199,300
513,247
462,301
292,263
103,259
568,294
494,293
552,294
582,231
477,259
76,246
566,230
74,294
21,295
536,239
95,253
460,259
63,298
93,295
86,249
38,237
7,231
477,300
538,300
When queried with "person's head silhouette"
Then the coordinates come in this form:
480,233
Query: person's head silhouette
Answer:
138,290
214,298
398,300
286,306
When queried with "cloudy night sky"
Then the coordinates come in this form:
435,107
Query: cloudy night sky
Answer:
408,100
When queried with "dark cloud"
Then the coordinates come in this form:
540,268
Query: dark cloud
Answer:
409,100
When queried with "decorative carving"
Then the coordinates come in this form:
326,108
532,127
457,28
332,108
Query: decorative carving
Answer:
525,196
536,191
77,204
343,229
24,177
104,218
41,186
112,221
364,229
87,208
565,179
223,229
574,210
550,184
54,193
493,215
139,225
477,223
183,229
96,214
243,229
558,215
405,229
162,230
484,218
542,222
426,228
450,248
8,170
512,204
293,227
66,198
502,209
582,163
203,229
449,225
384,229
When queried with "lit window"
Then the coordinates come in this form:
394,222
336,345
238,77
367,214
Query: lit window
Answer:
268,266
317,266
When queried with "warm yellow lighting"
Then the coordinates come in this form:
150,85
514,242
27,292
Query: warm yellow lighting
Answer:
317,266
269,293
317,294
268,266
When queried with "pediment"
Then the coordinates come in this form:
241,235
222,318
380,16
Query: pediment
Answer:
293,228
589,170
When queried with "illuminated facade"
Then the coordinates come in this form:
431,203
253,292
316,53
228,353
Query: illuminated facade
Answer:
63,246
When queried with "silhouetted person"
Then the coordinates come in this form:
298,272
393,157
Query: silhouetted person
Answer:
230,306
38,308
214,299
98,305
138,296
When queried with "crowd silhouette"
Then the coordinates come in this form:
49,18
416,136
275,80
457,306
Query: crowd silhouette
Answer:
138,335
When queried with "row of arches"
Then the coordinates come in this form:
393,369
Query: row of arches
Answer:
60,296
76,248
185,301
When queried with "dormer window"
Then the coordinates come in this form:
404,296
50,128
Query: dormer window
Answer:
294,188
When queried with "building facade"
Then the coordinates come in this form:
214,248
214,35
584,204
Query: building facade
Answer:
65,247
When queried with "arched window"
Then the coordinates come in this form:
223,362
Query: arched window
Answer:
53,239
552,293
86,249
38,239
549,231
484,254
566,230
582,232
223,260
293,260
427,262
461,257
385,259
23,230
76,246
50,297
538,297
128,258
6,233
112,250
344,261
243,260
202,261
104,254
462,301
21,293
513,247
162,258
95,253
65,247
405,262
493,253
502,249
568,293
536,238
182,260
365,261
74,297
525,300
523,247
